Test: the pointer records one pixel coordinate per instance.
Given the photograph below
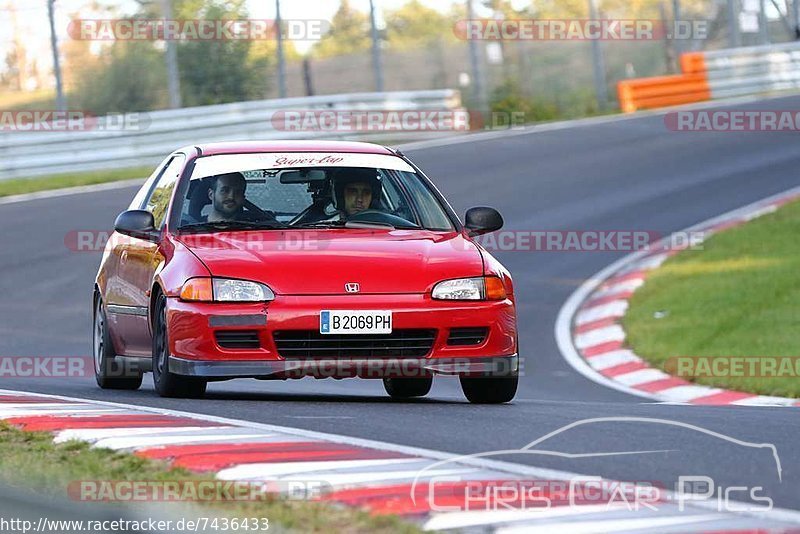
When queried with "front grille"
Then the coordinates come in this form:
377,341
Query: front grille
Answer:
238,339
311,344
468,335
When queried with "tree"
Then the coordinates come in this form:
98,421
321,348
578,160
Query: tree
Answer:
128,76
414,25
643,9
10,76
78,60
349,33
215,72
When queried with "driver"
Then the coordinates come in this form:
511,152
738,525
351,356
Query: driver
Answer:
227,197
356,189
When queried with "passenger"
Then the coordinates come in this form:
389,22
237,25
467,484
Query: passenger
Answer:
227,197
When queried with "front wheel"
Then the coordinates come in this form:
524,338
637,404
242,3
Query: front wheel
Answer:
489,390
169,384
406,388
110,372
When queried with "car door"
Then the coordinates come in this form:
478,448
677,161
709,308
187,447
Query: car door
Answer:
137,260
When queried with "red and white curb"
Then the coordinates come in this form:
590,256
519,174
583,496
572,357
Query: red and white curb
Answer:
590,334
374,476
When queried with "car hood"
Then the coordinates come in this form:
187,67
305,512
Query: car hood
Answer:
321,262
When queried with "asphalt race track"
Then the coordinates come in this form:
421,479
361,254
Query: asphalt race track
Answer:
631,174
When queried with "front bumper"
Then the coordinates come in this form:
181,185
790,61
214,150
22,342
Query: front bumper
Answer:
349,368
195,350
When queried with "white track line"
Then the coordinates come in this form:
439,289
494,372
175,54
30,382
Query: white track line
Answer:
160,441
610,525
518,470
30,412
688,393
621,287
610,310
572,307
642,376
598,336
346,480
454,520
67,191
258,471
764,400
612,359
93,434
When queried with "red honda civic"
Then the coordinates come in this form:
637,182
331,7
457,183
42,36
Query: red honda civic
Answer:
287,259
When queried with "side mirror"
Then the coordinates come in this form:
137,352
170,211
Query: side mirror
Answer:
137,223
482,220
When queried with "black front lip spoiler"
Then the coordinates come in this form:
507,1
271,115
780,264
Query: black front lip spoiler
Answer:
339,368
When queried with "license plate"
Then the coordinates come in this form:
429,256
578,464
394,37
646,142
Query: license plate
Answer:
355,322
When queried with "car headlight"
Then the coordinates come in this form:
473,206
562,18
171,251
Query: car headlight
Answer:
479,288
225,290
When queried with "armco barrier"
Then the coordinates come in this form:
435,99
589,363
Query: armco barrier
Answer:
31,154
716,74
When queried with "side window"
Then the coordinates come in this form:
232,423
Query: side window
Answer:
138,201
432,215
158,203
391,196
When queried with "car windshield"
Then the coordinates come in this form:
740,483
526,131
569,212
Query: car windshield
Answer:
239,192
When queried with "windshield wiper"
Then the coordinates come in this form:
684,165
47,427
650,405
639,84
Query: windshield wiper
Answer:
356,224
368,224
233,225
320,224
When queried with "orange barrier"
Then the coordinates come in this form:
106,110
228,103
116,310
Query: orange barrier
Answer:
693,62
660,91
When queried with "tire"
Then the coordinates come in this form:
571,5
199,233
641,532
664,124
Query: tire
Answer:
406,388
490,389
110,372
169,384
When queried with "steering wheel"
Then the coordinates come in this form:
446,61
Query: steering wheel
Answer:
255,213
379,216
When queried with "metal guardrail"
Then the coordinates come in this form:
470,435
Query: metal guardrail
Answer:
717,74
31,154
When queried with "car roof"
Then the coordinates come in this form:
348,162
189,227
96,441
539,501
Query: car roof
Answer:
245,147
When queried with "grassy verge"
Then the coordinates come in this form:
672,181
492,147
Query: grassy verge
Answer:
28,100
33,460
739,296
19,186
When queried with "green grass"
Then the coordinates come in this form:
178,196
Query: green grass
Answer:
32,460
17,186
739,296
27,100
